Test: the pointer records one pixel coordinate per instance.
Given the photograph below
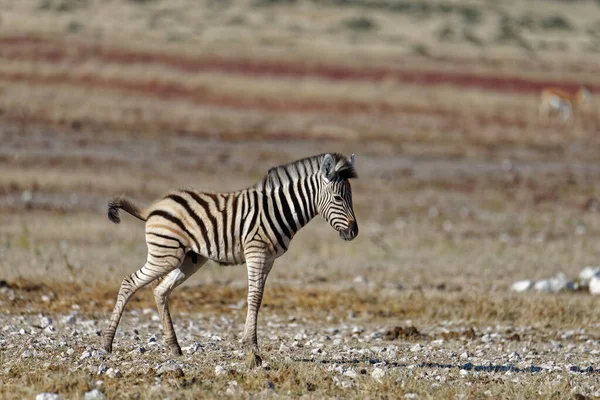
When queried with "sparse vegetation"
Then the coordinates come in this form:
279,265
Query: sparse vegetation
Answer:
461,193
360,24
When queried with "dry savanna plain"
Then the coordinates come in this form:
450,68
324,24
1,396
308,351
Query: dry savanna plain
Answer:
461,192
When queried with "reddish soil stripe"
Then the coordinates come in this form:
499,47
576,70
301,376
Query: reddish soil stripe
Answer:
284,69
167,91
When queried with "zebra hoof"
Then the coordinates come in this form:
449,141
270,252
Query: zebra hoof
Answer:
176,350
253,360
108,348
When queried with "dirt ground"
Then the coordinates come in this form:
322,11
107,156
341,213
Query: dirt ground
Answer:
462,191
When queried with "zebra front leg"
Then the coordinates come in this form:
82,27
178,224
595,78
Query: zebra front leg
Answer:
131,284
258,271
162,290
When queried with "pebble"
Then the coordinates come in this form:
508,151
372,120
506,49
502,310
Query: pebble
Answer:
113,373
595,285
521,286
102,368
351,373
378,373
193,348
220,370
586,275
94,394
416,347
45,322
411,396
48,396
232,388
69,319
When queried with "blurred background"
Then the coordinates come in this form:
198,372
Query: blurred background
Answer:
462,186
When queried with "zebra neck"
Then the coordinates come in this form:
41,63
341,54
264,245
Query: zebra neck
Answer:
294,203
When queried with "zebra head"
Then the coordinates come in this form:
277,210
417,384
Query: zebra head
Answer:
335,197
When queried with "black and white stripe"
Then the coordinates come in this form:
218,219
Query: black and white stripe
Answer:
188,227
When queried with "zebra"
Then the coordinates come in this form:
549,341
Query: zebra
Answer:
186,228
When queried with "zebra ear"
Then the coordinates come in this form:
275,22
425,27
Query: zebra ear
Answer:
328,167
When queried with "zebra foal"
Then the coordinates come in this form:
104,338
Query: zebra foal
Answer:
186,228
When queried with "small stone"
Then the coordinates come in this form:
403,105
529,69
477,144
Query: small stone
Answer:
220,370
465,355
85,354
102,368
543,286
27,354
416,347
521,286
351,373
113,373
48,396
193,348
587,274
45,298
595,285
45,321
94,394
232,388
358,330
464,372
99,384
69,319
378,373
411,396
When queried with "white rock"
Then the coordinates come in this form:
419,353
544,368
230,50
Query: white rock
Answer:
193,348
102,368
464,372
94,395
113,373
595,285
351,373
48,396
416,347
587,274
45,321
561,283
220,370
232,388
465,355
543,286
378,373
411,396
521,286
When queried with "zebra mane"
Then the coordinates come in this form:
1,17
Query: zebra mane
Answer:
292,172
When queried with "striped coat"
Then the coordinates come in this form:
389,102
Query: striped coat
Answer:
253,226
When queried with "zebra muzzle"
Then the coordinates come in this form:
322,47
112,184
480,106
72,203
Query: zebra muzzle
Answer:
351,232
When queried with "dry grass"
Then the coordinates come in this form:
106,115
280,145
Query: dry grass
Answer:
139,97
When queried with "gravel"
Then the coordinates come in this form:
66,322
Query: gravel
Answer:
508,352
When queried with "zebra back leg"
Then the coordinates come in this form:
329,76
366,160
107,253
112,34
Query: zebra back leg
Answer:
258,271
164,286
159,263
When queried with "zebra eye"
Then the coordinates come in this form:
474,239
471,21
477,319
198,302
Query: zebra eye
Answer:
337,198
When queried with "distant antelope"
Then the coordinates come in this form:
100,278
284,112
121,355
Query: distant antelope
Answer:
562,102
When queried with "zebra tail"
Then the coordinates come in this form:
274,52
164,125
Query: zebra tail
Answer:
127,206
